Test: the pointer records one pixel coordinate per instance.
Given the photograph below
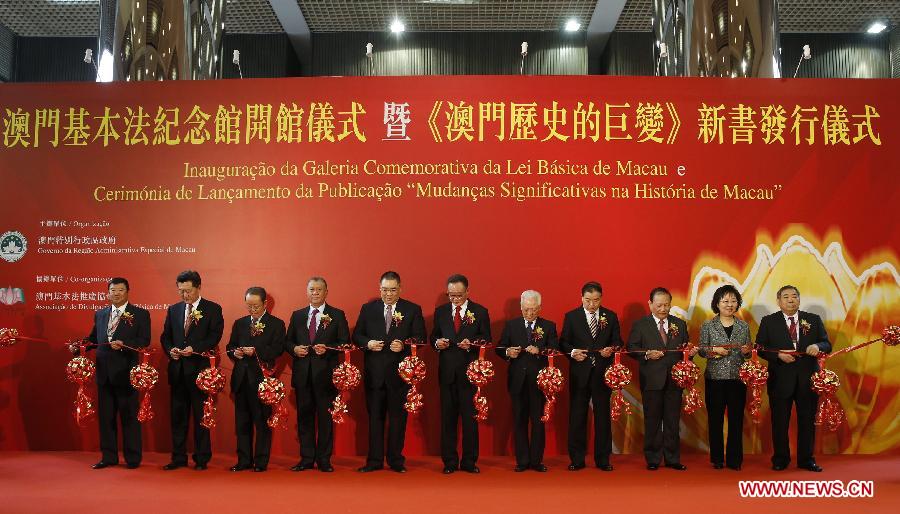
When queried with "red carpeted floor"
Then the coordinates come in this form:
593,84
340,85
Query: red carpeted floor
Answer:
64,482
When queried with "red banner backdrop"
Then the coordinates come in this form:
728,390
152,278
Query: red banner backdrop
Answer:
518,182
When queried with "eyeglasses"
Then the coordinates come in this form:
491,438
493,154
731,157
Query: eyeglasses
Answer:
456,295
389,289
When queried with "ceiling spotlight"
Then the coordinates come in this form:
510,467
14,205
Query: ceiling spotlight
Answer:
572,25
397,26
876,27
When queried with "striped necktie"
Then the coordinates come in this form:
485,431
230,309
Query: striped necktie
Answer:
113,323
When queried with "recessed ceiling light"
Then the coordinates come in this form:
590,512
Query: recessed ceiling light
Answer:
397,26
572,25
876,27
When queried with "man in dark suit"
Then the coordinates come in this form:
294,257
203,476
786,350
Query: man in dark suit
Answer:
311,330
590,335
193,326
521,344
792,330
650,338
257,338
115,327
380,330
456,326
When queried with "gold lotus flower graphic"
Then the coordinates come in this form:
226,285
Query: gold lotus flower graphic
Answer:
855,301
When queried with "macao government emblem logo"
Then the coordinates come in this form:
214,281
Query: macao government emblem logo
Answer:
13,246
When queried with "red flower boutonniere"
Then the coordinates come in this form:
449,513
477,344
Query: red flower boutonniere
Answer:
673,330
128,318
196,316
257,328
603,322
469,318
805,326
324,321
537,334
396,318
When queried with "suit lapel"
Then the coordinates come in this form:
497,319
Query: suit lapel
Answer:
306,321
784,329
537,324
720,330
652,325
447,320
118,323
250,328
178,316
104,322
671,322
320,328
585,326
800,335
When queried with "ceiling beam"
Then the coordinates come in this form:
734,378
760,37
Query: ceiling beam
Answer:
603,23
291,18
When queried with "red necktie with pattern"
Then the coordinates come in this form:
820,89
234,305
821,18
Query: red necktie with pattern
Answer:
312,325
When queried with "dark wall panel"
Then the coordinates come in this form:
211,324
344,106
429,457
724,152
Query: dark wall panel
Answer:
628,53
62,59
856,56
449,53
262,56
834,55
550,53
54,59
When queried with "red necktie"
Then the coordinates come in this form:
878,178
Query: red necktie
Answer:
662,331
312,325
792,330
457,319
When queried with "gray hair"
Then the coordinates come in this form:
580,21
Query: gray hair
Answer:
530,295
321,280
